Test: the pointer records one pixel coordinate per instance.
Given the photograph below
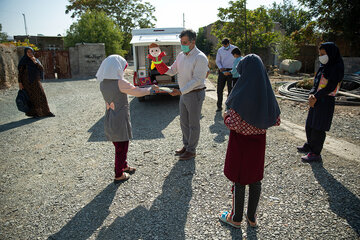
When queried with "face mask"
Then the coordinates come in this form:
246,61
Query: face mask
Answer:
324,59
185,48
227,48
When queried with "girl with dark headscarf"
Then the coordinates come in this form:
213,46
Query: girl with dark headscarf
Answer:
322,100
30,75
252,109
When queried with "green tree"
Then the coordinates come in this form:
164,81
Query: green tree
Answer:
307,35
289,16
3,35
258,26
203,43
127,14
286,48
96,27
336,18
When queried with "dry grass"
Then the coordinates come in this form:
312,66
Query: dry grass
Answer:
306,83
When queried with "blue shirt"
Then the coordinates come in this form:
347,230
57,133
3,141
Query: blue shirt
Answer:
224,58
234,72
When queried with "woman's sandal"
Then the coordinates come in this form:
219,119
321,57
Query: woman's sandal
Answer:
223,218
122,179
252,224
130,170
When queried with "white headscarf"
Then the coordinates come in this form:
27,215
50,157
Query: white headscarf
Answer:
112,67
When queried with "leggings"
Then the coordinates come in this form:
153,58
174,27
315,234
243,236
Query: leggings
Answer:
121,149
238,191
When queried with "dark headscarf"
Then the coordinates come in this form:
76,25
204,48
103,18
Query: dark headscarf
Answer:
252,96
335,60
32,69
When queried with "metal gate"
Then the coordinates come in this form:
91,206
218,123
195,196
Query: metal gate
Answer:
62,64
56,63
46,59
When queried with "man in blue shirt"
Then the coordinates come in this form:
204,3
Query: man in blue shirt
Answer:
224,61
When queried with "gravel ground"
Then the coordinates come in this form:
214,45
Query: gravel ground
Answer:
56,175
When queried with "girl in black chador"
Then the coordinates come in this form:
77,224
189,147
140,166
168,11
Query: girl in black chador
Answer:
322,100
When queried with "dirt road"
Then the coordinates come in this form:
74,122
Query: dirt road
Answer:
56,175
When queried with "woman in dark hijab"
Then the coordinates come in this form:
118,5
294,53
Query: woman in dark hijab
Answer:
322,100
252,109
30,75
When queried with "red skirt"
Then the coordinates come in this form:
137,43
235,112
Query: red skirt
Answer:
245,157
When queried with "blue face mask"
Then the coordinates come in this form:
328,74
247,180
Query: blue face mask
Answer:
227,48
185,48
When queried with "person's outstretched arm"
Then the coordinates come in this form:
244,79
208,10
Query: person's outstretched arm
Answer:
127,88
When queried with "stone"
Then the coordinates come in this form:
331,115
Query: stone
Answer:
290,66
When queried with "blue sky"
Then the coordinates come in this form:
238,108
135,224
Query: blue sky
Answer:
48,17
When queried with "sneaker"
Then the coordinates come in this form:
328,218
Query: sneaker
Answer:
311,157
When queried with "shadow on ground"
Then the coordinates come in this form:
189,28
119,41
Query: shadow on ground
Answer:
166,218
219,128
342,202
16,124
90,218
148,118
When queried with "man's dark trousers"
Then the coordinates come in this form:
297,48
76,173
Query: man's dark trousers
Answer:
222,80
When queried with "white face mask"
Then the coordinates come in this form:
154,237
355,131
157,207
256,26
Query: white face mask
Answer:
324,59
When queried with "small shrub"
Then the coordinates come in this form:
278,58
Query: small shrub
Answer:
306,83
26,43
212,63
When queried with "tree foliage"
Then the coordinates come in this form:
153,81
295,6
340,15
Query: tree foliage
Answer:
127,14
307,35
258,26
286,48
336,18
3,35
25,43
289,16
96,27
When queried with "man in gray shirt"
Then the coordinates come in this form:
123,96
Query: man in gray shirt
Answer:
224,61
191,66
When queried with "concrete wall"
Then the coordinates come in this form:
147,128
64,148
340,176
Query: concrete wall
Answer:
209,36
266,56
307,56
9,60
351,64
85,59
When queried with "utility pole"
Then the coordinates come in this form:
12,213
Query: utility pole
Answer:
25,24
183,20
246,47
